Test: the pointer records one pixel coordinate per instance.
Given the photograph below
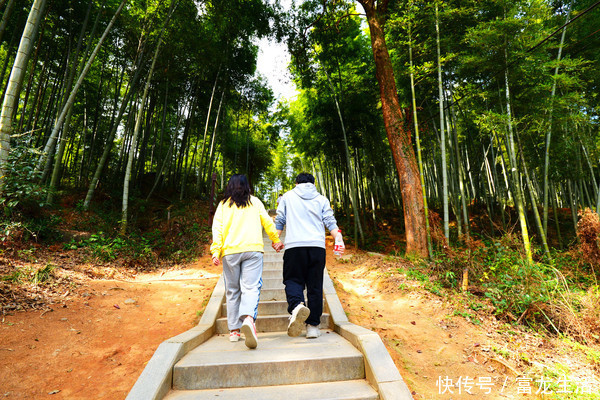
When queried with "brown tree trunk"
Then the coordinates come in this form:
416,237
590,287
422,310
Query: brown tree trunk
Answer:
398,137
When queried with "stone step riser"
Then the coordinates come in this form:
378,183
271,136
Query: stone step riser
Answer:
343,390
277,257
264,308
272,294
269,323
273,274
268,373
267,308
272,283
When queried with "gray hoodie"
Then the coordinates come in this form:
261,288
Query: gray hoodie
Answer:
306,213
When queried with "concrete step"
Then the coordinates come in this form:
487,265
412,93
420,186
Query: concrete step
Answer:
269,323
343,390
273,273
273,283
278,268
265,308
278,360
272,294
272,257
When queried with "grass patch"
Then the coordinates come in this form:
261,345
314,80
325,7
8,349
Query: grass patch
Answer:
36,276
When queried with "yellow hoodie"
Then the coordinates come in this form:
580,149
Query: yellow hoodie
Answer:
237,230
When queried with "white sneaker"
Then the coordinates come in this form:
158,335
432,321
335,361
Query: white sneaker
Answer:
312,332
299,315
234,336
249,331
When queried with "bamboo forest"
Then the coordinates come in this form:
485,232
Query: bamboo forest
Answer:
457,140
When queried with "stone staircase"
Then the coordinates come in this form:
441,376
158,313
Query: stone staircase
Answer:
346,363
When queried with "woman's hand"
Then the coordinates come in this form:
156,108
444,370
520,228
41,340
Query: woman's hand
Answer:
215,260
277,246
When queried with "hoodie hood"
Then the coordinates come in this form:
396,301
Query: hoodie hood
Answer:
306,191
304,213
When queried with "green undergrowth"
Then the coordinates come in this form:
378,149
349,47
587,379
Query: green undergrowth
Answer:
29,274
557,294
160,232
554,297
24,216
171,234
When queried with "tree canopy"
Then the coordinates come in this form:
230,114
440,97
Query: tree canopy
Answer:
504,119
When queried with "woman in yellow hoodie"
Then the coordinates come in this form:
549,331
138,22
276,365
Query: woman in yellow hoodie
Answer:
237,238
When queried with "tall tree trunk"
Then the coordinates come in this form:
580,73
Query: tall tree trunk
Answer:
69,103
168,155
353,189
574,204
460,175
549,133
208,175
417,137
42,82
141,161
58,160
518,195
109,142
594,182
446,212
64,137
556,220
138,123
488,189
158,145
399,139
5,17
248,146
31,78
201,163
14,83
534,201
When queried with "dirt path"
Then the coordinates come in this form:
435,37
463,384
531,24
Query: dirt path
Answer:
442,355
97,344
423,342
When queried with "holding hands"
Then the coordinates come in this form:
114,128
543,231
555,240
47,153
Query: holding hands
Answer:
277,246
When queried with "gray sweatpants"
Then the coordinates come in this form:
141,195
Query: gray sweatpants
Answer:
243,280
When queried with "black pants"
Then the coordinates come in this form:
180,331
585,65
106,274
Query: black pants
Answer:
303,267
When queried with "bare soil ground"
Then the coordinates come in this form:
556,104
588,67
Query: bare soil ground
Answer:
90,336
443,355
97,336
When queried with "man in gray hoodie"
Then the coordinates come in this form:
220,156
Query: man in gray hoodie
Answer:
306,214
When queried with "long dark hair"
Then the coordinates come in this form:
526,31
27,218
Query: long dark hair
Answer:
237,191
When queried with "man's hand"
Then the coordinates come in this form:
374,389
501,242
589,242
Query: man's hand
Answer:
338,233
215,260
335,232
277,246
